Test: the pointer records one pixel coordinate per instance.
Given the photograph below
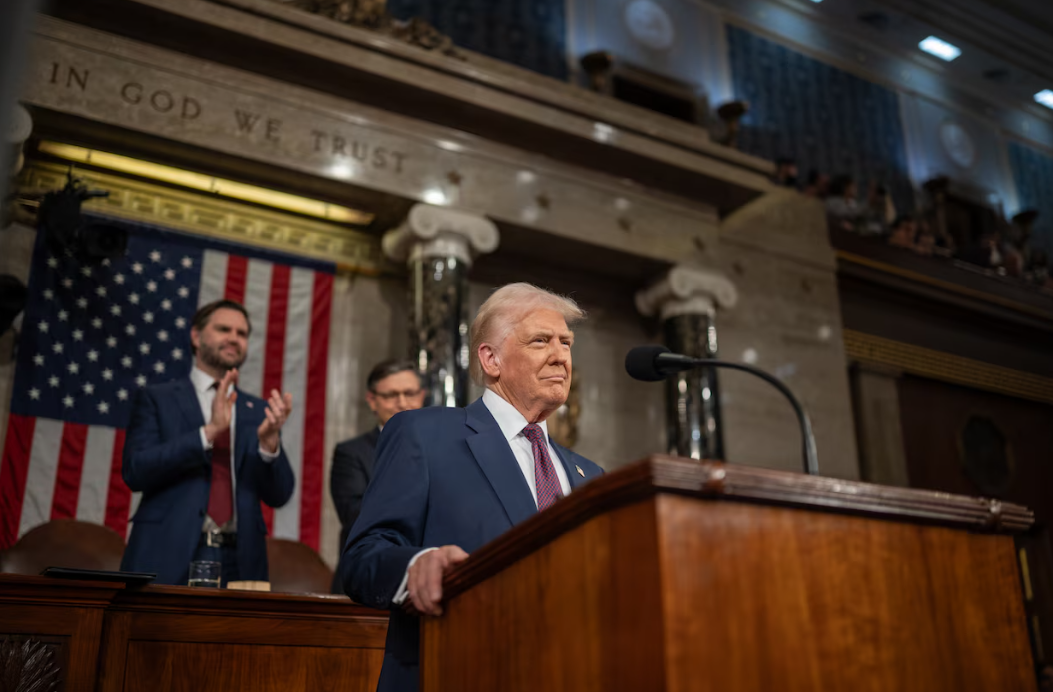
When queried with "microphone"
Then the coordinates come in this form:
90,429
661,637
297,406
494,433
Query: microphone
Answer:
654,363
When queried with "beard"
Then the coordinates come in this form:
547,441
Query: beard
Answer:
212,357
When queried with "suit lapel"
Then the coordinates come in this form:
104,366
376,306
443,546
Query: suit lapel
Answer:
495,457
564,455
189,406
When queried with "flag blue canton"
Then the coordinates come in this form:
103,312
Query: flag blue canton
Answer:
93,334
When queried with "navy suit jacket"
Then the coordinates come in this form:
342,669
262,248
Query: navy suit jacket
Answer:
164,459
443,476
349,477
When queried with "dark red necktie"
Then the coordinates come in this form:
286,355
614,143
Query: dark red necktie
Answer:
220,496
548,490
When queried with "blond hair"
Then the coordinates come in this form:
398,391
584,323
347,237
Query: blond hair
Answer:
504,308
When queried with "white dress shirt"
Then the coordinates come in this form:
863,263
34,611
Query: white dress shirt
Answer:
206,394
511,422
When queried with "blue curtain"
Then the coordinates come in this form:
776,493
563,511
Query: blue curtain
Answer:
528,34
823,117
1033,175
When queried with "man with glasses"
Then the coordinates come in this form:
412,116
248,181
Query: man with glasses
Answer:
392,386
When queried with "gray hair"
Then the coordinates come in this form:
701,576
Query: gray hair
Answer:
504,308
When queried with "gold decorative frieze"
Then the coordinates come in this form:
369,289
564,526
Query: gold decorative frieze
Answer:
946,367
217,218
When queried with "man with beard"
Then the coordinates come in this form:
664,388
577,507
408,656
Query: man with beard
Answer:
204,454
448,480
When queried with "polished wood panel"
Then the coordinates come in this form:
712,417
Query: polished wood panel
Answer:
674,575
67,616
774,599
239,640
176,638
178,667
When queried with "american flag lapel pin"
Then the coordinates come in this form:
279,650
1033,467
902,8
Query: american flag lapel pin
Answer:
249,404
580,472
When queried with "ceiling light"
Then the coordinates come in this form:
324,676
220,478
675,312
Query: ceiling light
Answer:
941,49
1045,97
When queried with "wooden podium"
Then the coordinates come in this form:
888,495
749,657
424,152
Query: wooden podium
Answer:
676,575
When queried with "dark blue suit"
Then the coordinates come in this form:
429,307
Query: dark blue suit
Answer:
443,476
164,458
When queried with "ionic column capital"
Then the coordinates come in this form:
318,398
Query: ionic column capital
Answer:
687,290
431,231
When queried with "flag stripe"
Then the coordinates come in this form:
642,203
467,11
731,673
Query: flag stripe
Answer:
213,277
95,476
257,295
294,381
314,413
13,470
237,273
274,357
70,466
119,497
40,481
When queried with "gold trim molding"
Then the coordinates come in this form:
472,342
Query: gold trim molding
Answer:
216,218
946,367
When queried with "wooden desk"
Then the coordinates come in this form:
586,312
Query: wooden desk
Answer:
111,639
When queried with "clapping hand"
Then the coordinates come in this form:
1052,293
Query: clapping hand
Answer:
222,406
279,406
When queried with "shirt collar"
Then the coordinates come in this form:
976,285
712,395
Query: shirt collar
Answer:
201,380
508,418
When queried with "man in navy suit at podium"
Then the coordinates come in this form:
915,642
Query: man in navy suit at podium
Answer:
447,481
204,453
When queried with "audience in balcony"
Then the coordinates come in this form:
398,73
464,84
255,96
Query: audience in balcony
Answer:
842,206
1007,251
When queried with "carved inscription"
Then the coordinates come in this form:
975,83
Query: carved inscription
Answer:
361,150
254,125
161,100
69,77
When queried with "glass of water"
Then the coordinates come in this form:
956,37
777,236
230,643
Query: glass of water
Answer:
204,573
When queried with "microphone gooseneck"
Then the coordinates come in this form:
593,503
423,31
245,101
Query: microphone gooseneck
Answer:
654,363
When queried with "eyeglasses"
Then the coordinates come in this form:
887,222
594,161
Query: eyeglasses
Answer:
391,396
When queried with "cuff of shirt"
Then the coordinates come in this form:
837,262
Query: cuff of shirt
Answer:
403,592
269,456
205,444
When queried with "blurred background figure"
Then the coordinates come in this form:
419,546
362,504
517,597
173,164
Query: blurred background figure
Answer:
393,386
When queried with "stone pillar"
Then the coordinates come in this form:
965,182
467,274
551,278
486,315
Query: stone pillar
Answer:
686,300
438,245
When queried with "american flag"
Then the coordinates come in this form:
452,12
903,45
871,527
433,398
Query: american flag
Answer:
93,334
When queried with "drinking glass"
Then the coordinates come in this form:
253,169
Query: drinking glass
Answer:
204,573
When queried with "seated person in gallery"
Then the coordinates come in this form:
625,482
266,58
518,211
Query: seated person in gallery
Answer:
904,231
842,206
448,480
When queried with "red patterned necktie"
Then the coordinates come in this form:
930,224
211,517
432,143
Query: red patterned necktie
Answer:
545,478
220,504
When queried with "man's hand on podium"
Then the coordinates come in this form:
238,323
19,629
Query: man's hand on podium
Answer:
424,585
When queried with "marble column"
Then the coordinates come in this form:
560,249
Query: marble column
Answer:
438,245
686,300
